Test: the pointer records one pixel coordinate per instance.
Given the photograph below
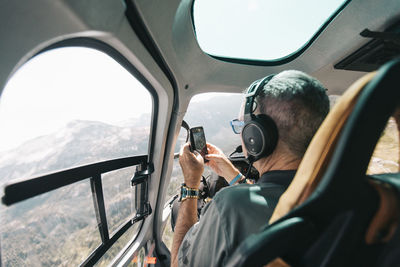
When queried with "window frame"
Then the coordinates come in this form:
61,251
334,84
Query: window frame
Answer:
18,191
275,62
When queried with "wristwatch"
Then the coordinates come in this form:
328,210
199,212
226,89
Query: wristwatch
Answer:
187,192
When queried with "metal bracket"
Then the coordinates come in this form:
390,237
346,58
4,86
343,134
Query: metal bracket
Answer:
140,216
141,176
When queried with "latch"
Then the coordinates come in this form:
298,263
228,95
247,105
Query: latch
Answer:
140,182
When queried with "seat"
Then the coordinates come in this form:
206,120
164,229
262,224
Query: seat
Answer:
333,214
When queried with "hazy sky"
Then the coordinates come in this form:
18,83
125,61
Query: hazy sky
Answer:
67,84
259,29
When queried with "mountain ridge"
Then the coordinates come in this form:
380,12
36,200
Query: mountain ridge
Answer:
79,142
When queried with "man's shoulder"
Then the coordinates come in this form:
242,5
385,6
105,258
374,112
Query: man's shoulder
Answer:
235,197
238,198
246,191
233,192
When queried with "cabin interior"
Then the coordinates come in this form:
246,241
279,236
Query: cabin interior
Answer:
94,94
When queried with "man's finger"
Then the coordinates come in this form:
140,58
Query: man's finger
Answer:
213,156
199,157
211,147
186,147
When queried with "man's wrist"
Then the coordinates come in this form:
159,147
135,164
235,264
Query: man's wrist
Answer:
234,174
193,184
236,179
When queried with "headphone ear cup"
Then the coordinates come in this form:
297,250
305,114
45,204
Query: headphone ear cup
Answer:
260,136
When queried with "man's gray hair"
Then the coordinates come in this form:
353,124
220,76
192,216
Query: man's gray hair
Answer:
298,103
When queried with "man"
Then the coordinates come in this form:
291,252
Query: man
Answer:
297,105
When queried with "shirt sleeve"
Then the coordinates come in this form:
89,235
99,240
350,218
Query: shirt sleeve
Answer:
206,242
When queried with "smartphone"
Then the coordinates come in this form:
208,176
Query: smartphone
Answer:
198,141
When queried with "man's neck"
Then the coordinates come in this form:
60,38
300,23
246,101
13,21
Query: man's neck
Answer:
277,162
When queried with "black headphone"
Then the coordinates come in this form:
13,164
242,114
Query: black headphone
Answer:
260,133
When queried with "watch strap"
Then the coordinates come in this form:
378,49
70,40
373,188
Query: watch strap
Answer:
187,192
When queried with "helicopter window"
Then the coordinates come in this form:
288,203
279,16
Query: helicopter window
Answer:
260,30
385,158
76,123
71,106
213,111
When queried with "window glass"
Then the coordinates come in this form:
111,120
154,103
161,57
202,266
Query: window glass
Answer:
213,111
385,158
65,108
118,197
58,228
183,135
257,29
119,246
68,107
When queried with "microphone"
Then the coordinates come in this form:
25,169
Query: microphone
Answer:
238,149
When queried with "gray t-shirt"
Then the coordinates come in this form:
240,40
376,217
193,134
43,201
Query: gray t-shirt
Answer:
235,213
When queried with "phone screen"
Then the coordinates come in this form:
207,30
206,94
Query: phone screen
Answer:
198,140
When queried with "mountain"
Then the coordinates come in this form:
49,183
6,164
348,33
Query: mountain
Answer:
59,227
78,143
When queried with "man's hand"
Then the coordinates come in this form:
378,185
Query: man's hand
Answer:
220,163
192,165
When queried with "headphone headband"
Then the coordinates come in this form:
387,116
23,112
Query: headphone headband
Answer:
251,94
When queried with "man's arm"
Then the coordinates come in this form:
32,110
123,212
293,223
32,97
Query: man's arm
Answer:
192,168
187,218
220,164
